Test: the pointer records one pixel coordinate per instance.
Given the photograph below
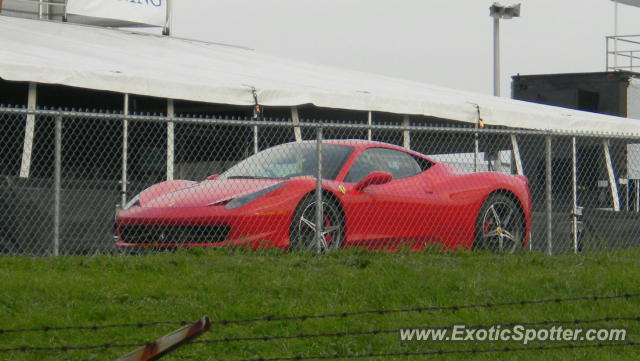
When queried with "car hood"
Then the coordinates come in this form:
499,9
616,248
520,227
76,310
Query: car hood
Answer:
208,192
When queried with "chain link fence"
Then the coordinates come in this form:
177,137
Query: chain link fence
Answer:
87,183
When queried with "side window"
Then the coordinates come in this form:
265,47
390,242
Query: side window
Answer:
399,164
364,165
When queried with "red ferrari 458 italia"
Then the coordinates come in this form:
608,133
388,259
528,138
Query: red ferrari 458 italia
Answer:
374,195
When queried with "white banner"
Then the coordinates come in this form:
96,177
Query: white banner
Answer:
149,12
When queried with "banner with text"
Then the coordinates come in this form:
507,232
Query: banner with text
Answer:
120,12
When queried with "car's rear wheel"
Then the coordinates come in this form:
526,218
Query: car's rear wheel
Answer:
303,226
500,226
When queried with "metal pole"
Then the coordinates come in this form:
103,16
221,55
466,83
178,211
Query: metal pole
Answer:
406,135
615,34
296,120
319,211
549,179
40,10
574,181
607,56
166,30
170,140
57,175
476,143
255,139
125,152
369,123
637,187
516,155
475,151
613,186
496,56
29,131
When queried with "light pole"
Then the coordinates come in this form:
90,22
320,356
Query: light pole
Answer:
497,12
615,36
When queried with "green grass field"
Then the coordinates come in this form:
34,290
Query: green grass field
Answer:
187,285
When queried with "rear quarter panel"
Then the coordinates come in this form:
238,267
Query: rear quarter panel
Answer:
462,196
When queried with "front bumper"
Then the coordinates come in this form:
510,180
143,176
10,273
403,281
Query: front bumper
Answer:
202,226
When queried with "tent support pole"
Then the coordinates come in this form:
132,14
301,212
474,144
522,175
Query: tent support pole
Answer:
516,155
170,139
613,186
406,135
296,120
25,166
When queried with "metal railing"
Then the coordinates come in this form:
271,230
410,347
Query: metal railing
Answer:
623,52
86,168
34,9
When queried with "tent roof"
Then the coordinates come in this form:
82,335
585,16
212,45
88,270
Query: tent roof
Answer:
167,67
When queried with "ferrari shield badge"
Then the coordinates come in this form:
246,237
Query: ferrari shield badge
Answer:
342,189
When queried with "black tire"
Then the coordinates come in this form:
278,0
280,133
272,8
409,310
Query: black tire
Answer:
499,225
302,228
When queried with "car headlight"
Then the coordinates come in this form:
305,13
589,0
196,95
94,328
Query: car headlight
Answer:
243,200
133,202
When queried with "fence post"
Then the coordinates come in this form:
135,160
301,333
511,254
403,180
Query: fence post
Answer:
406,135
476,150
476,141
574,182
549,179
255,139
57,174
170,139
319,211
369,123
125,152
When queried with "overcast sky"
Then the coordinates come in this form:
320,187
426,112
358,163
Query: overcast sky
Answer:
442,42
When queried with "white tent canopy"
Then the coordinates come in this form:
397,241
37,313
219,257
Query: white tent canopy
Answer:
135,63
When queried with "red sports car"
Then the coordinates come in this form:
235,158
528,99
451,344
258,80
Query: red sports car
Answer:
375,195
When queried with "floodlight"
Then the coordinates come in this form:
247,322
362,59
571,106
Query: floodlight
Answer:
500,11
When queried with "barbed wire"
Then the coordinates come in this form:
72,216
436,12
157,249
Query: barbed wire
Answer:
329,315
430,308
95,327
473,351
395,330
66,348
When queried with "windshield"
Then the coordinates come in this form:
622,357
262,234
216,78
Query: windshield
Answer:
291,160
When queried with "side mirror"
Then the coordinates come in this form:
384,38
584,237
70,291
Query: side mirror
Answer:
213,176
372,179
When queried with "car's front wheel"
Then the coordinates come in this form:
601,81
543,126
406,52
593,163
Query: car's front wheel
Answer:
303,233
500,226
